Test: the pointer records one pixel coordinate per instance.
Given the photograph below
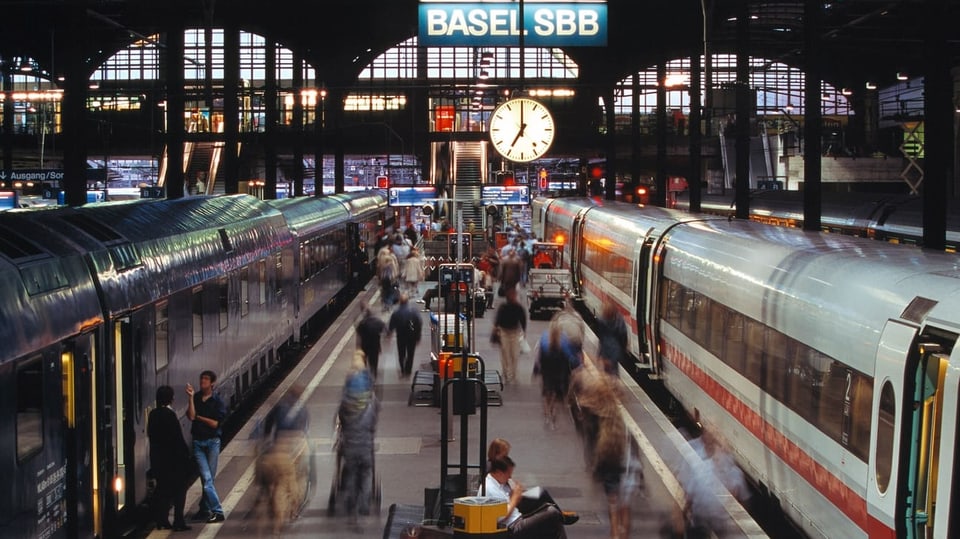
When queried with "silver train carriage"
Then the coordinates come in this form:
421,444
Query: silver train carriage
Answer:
892,218
105,302
826,363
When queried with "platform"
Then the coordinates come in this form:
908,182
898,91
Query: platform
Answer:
408,446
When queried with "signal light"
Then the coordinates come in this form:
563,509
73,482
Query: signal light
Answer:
543,176
383,182
641,191
559,238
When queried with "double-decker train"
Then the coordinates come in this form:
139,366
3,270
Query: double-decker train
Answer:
825,363
101,304
887,217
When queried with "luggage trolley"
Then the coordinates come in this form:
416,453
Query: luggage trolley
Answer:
339,469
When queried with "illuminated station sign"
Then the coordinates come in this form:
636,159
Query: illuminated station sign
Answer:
493,24
505,195
411,196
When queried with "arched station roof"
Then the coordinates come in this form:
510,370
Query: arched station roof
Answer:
860,40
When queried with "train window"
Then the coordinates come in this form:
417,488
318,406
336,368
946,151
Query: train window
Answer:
14,247
702,309
776,366
861,402
688,312
831,400
161,334
196,307
262,283
886,422
124,257
734,345
223,289
244,291
754,333
674,301
718,320
29,390
278,276
805,380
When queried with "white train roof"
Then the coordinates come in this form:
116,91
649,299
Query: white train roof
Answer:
833,292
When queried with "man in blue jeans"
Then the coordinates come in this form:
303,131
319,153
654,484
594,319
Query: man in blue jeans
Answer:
207,411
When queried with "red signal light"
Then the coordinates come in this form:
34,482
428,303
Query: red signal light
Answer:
383,182
542,175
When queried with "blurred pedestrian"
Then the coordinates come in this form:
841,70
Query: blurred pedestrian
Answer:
406,323
370,331
388,271
284,467
357,416
410,233
713,473
412,272
554,365
170,462
511,270
612,337
598,396
289,414
207,411
510,323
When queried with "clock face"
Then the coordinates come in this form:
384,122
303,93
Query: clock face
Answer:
521,129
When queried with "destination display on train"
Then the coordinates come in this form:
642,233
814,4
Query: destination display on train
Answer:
411,196
489,24
505,195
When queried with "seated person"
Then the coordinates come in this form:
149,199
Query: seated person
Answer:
533,497
544,522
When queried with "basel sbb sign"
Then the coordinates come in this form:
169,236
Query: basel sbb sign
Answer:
489,24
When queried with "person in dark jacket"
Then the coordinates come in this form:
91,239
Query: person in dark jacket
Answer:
408,326
357,414
370,330
169,462
207,411
612,338
510,322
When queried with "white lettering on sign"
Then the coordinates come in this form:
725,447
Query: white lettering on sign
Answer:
565,22
475,22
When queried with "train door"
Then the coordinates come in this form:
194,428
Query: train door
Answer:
933,354
641,301
123,477
947,519
76,367
576,254
908,412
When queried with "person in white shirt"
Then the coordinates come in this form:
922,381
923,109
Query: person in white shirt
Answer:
545,522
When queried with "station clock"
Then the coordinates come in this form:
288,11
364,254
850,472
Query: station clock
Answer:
521,129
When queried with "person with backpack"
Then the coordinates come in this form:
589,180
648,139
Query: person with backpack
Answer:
408,326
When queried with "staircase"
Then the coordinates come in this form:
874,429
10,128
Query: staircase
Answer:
469,166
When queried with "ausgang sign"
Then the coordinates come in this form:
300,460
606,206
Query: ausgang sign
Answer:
490,24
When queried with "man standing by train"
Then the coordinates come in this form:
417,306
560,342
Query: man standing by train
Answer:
207,411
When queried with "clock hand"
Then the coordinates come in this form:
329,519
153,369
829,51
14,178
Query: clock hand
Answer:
519,134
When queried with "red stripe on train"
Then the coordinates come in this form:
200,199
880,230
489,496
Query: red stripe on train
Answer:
829,485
